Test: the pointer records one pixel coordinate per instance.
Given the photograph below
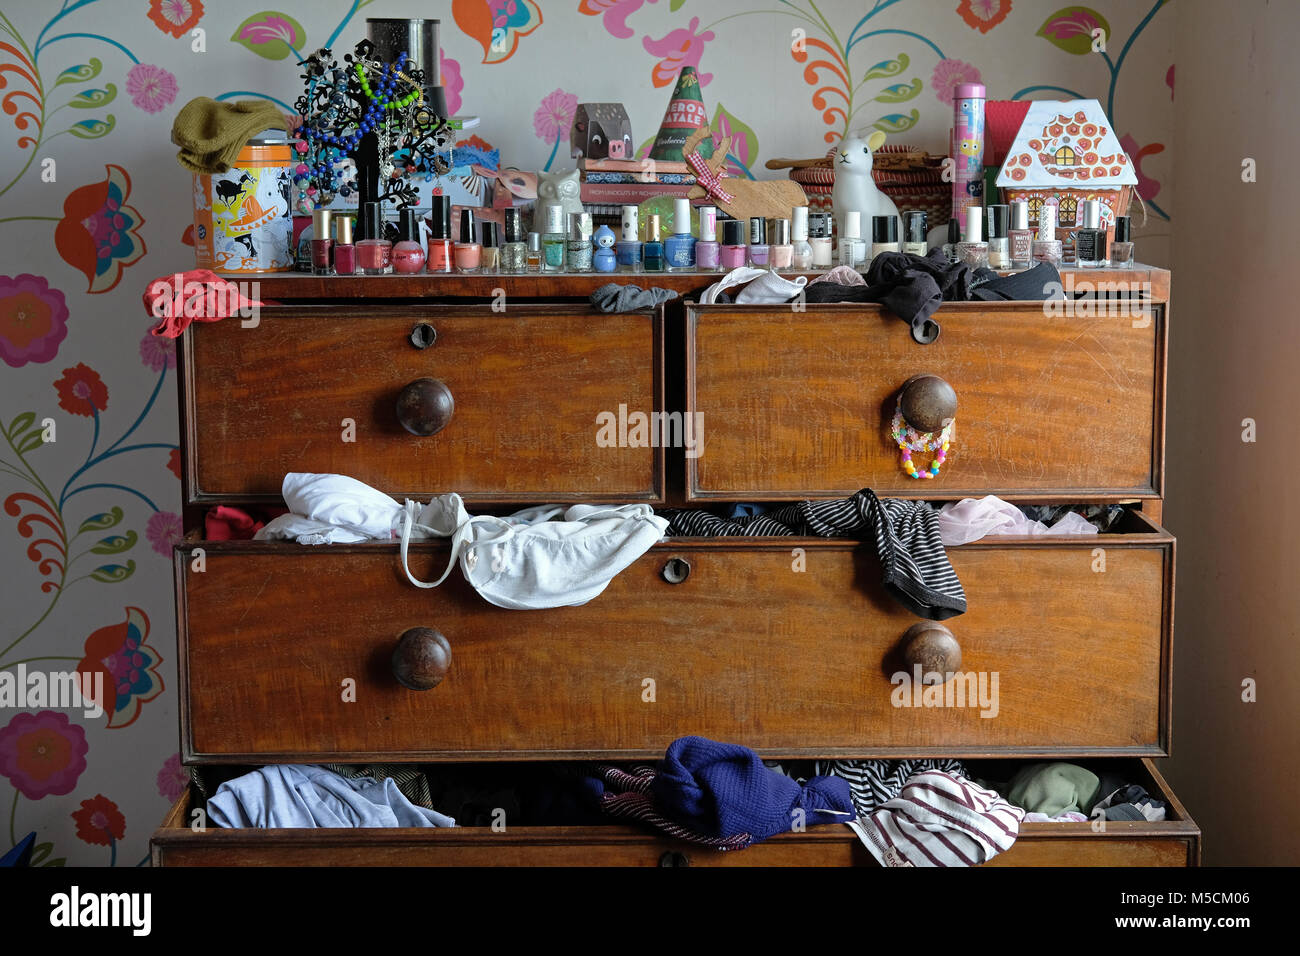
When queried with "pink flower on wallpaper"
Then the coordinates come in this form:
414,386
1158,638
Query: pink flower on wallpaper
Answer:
950,74
1147,187
81,391
984,15
158,351
42,754
554,117
151,87
615,13
172,778
452,82
163,530
679,48
33,320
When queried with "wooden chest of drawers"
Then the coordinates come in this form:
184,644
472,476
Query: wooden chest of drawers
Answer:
795,403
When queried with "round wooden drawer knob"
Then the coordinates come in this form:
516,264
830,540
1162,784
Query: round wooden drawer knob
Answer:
932,646
425,406
928,403
421,659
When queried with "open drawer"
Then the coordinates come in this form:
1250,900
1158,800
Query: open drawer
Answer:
1172,842
789,644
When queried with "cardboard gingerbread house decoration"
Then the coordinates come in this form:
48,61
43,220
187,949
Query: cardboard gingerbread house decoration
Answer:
601,131
1066,152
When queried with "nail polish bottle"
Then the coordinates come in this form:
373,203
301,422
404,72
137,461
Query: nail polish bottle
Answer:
819,237
440,257
916,223
628,250
374,252
780,253
954,240
733,253
408,252
554,240
972,250
1047,248
579,252
533,261
653,251
853,249
345,253
514,254
1121,250
468,252
707,250
491,247
801,257
1020,236
321,244
1090,238
758,249
679,248
884,235
997,221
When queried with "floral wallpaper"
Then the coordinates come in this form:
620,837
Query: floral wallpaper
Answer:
93,205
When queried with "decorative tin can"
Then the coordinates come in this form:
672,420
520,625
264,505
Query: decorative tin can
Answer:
242,221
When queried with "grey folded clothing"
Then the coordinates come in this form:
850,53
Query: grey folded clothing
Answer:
614,297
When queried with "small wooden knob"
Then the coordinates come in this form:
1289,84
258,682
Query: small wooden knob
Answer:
928,403
421,659
425,406
932,646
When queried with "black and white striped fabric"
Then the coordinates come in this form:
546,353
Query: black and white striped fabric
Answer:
914,565
873,783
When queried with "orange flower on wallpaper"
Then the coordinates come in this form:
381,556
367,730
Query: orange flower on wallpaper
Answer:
984,15
99,821
497,24
128,665
81,391
176,17
99,232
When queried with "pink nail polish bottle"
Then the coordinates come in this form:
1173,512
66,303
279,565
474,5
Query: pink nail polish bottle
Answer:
408,254
707,250
734,252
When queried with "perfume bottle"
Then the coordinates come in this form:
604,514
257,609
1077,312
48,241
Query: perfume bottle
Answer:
972,250
1047,248
853,249
954,240
997,221
321,244
916,223
554,240
1121,250
679,248
628,250
734,251
345,253
884,235
533,261
408,252
514,254
1020,236
1090,237
780,254
491,247
819,237
652,253
441,257
758,249
579,251
707,250
801,257
374,252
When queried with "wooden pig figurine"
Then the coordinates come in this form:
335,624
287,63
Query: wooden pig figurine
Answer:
854,187
770,198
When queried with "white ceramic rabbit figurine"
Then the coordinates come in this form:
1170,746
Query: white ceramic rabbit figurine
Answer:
854,188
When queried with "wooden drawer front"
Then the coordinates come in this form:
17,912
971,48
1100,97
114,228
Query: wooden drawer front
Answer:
527,383
745,649
798,404
1175,842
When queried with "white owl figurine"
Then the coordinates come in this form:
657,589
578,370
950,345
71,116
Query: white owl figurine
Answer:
854,187
556,189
